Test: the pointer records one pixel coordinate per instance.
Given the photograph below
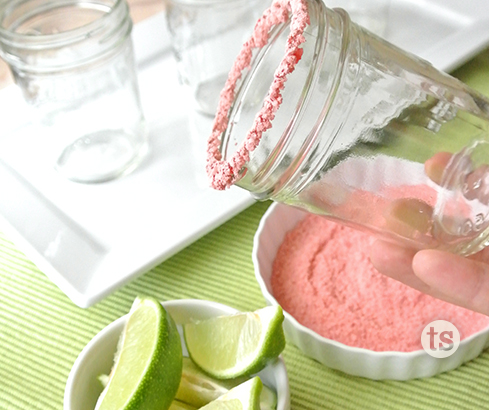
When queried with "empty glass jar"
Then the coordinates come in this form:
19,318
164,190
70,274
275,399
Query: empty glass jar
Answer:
74,62
206,38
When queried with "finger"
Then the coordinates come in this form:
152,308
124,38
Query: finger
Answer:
463,281
396,262
410,218
436,165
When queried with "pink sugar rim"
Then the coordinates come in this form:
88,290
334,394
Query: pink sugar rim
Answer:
223,173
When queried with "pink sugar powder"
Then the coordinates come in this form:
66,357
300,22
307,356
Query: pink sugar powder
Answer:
224,173
323,277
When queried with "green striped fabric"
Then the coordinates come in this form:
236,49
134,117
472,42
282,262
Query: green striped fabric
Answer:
42,331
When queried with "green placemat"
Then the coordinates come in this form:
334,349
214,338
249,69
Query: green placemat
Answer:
42,331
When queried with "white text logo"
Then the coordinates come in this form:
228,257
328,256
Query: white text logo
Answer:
440,339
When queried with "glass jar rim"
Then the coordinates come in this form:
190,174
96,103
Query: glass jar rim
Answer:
51,40
224,172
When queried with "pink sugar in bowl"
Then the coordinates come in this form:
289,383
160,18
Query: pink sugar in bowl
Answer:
323,115
341,312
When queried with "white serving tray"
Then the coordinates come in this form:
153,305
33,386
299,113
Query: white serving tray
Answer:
92,239
447,33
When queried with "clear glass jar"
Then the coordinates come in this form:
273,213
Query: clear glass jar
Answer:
206,38
74,63
367,135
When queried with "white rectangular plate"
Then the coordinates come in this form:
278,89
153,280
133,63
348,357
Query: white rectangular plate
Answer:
91,239
447,33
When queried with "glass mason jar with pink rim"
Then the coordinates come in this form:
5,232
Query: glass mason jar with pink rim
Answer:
322,115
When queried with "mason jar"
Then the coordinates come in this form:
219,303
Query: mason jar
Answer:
73,61
327,117
206,38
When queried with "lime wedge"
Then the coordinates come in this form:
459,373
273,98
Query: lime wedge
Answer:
268,399
178,405
237,345
246,396
148,364
198,388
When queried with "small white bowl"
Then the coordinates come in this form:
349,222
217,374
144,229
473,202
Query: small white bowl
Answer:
277,221
83,388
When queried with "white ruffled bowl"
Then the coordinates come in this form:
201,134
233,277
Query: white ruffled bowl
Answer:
83,387
277,221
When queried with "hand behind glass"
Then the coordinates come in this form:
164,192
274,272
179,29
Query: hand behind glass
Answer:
453,278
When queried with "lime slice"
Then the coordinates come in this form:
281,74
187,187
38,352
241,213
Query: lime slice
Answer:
268,399
148,363
178,405
237,345
246,396
198,388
